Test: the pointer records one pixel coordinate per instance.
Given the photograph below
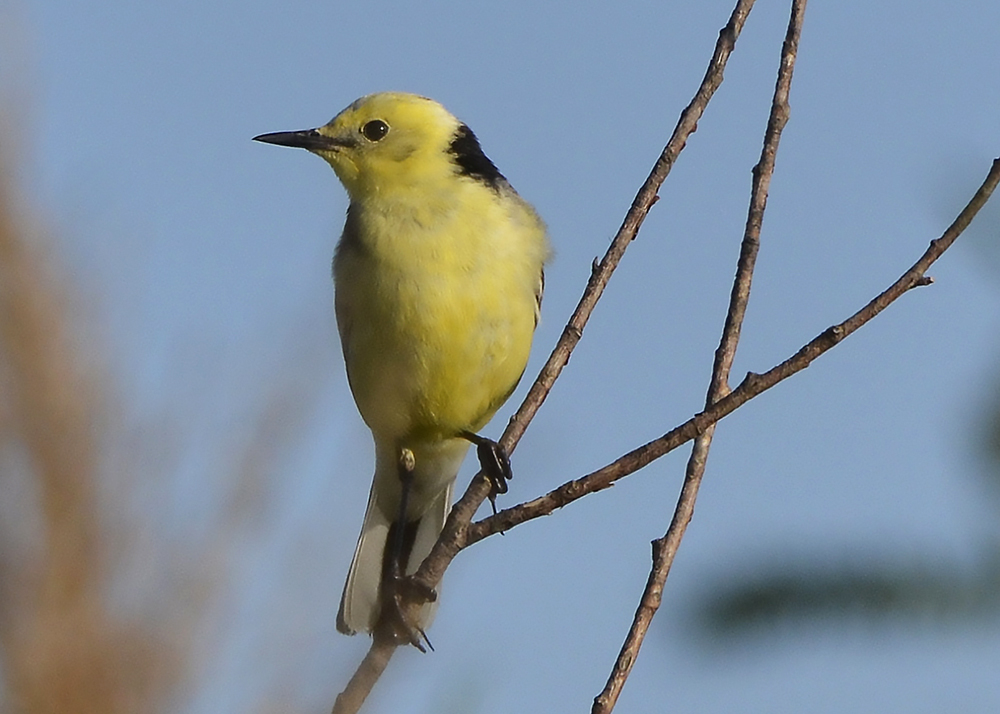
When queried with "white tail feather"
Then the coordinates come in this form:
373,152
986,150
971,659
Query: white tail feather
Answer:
361,602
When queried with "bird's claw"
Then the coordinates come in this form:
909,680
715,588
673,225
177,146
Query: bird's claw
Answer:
495,463
398,594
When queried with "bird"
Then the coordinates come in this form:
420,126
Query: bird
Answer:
438,281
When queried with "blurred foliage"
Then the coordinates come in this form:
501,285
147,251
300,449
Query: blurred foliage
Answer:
875,592
992,439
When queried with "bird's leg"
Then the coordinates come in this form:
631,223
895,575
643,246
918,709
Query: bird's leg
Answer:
495,463
407,464
397,589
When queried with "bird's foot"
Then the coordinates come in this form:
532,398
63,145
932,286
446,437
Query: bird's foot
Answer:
495,463
397,595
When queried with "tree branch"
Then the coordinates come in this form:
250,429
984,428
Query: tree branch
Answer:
459,532
364,678
751,386
665,548
687,124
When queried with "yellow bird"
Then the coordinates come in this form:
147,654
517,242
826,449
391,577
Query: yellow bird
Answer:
438,283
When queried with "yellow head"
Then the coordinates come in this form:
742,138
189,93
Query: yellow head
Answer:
393,140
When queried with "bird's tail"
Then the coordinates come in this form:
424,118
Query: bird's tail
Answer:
361,602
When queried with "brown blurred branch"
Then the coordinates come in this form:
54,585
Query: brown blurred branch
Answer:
665,548
452,538
61,649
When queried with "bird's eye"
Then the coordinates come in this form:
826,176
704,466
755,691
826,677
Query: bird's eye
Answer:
375,130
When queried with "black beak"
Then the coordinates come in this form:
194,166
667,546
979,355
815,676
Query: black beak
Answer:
309,139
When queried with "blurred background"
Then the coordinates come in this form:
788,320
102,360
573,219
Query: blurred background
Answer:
182,469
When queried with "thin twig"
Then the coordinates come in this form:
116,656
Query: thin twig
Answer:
453,538
665,548
751,386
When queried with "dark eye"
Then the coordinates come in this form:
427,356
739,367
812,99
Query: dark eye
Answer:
375,130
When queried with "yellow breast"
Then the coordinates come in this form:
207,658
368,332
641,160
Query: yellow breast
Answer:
437,301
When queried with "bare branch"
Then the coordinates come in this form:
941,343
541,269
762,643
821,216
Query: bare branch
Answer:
364,678
687,124
665,548
751,386
459,533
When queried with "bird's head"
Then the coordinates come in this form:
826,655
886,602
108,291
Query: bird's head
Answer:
390,140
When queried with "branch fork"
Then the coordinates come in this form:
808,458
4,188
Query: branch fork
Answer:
460,532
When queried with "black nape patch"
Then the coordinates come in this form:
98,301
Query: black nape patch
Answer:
471,160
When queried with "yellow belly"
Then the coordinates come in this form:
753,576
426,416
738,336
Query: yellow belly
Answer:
436,320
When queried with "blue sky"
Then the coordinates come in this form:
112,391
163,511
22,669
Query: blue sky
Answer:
205,261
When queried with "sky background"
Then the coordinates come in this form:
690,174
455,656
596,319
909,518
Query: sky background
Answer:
203,262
